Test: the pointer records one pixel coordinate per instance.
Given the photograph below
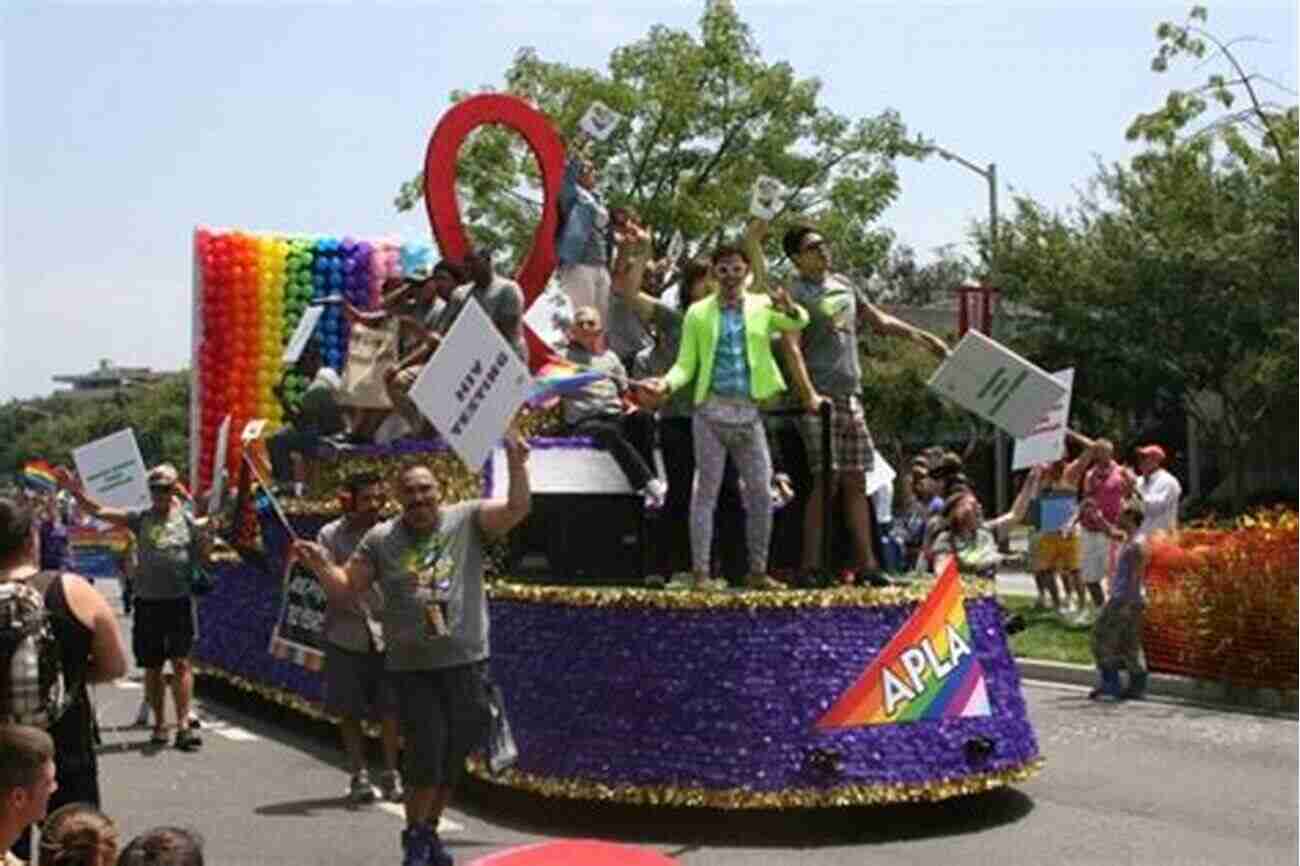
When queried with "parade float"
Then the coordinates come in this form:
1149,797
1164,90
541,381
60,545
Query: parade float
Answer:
736,700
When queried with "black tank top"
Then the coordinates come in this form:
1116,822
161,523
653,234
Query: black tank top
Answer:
74,733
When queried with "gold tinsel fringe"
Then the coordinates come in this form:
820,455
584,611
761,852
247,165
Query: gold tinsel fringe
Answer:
848,596
742,798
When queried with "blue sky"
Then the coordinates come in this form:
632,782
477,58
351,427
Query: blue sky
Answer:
127,125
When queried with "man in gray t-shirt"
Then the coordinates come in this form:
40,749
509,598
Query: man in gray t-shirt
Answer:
831,373
501,298
429,564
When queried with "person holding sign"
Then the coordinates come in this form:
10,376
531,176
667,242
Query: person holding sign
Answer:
829,345
428,561
500,298
727,350
170,545
356,685
581,245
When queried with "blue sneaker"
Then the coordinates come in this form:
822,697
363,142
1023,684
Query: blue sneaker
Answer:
438,854
418,846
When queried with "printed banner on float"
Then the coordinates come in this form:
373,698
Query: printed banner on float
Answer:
928,670
995,383
472,386
1047,441
299,633
113,471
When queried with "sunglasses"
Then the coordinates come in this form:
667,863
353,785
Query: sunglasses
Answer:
729,270
587,325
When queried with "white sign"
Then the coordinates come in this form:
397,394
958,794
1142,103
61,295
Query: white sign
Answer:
768,198
301,334
599,121
253,430
472,386
219,467
551,315
1047,441
113,471
676,246
995,383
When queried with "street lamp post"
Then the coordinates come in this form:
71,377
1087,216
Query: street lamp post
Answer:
990,175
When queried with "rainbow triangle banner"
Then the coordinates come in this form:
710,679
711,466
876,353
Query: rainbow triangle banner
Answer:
928,670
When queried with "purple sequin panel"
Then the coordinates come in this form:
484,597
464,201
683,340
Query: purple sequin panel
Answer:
724,699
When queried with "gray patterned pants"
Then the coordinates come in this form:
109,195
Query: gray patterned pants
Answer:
721,428
1117,636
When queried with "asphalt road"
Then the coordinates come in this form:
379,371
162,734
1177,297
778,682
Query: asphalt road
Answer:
1141,783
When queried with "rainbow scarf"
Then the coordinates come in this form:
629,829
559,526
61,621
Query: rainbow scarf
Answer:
928,670
39,475
556,377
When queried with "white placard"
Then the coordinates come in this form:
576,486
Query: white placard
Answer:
768,198
219,467
881,473
599,121
113,471
301,334
1047,441
551,315
676,246
472,386
253,430
995,383
572,469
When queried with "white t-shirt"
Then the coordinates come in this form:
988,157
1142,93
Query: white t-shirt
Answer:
1160,492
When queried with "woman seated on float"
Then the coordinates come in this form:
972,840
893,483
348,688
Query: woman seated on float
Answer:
969,537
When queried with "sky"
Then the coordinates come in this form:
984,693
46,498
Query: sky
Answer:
127,125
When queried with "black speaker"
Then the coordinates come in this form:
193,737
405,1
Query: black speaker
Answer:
586,538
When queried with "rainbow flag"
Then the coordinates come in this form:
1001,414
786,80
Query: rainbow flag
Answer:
558,376
39,475
928,670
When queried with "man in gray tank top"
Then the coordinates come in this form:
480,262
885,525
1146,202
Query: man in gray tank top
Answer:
428,562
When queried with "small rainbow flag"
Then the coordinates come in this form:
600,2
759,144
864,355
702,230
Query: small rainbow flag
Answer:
558,376
928,670
39,475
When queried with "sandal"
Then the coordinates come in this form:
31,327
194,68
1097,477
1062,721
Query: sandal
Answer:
763,581
158,737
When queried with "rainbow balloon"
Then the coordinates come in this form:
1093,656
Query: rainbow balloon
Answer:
928,670
250,290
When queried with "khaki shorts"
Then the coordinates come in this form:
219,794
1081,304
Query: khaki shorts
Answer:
1051,551
1096,556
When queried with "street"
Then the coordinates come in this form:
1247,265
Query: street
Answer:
1149,782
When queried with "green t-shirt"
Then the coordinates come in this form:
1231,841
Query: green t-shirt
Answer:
163,546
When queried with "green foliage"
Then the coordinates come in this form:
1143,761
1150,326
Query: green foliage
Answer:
49,429
705,115
900,406
900,280
1172,282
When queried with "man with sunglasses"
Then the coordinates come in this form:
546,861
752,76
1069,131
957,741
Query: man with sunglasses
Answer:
837,309
726,348
597,410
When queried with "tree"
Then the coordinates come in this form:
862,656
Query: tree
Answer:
1172,282
705,116
900,280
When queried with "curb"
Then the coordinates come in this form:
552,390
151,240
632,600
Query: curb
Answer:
1285,701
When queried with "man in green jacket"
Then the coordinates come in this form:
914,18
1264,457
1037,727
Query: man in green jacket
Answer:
726,349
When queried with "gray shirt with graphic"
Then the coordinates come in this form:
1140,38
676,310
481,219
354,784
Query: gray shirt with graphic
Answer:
830,342
163,548
599,399
435,607
502,300
352,625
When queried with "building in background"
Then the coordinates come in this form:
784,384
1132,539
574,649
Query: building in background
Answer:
106,381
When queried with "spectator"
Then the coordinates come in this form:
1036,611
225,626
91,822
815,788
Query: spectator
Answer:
500,298
429,563
925,505
1102,485
90,648
727,350
356,685
969,537
78,835
581,246
171,544
597,410
27,780
1117,635
1159,490
1053,547
829,344
164,846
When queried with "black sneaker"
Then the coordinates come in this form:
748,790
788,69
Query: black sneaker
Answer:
188,741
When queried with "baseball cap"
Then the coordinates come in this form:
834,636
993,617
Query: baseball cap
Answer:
163,475
1152,451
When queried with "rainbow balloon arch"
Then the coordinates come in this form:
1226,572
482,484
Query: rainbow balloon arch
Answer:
710,699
